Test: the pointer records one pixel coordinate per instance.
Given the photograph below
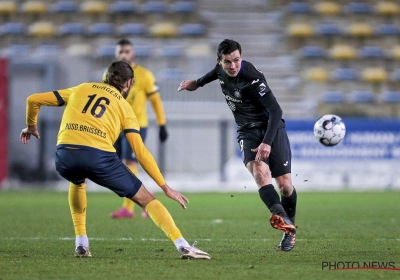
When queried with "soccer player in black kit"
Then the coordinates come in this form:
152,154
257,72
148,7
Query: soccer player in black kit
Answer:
261,131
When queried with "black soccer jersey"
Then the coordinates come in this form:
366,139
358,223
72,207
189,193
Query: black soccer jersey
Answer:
249,98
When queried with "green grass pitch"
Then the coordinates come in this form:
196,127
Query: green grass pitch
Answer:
37,238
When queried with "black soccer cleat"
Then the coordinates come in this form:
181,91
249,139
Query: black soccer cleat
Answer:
288,241
285,224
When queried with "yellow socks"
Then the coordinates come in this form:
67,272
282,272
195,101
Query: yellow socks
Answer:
77,204
161,217
129,204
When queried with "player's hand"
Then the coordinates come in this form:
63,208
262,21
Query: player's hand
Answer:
189,85
180,198
262,151
163,134
26,133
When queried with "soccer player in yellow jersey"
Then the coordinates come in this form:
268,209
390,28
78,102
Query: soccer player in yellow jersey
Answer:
142,90
94,116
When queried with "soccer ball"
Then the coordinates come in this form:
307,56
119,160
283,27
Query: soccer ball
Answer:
329,130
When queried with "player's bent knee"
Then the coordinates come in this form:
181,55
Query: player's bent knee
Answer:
142,197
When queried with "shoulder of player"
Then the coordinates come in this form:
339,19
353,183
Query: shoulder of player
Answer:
251,71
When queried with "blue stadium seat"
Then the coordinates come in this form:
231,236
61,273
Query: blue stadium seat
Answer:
345,74
154,7
128,29
101,28
18,50
65,6
312,52
359,8
142,51
333,96
47,49
106,51
299,8
362,96
13,28
391,96
328,29
183,7
396,75
387,29
123,7
71,28
192,29
172,51
170,73
371,52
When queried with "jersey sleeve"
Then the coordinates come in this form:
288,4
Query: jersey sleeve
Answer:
35,101
269,102
209,77
144,157
150,84
103,78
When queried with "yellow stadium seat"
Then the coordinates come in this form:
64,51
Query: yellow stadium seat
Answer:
327,8
42,29
300,30
317,74
396,52
374,75
8,7
94,7
360,30
387,8
164,30
343,52
34,7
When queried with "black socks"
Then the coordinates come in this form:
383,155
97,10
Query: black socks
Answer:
289,204
271,199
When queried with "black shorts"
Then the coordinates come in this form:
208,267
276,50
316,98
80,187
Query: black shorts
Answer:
280,158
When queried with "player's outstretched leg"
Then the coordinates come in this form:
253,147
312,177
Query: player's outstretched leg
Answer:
163,219
78,203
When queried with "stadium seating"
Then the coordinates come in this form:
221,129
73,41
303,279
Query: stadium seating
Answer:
343,52
333,96
47,49
374,75
18,50
361,30
172,51
362,96
132,29
387,8
299,8
312,52
391,96
170,74
317,74
123,7
344,74
395,52
183,7
387,29
300,30
358,8
155,7
94,7
327,8
8,7
42,29
395,77
142,51
328,29
101,29
371,52
12,28
192,29
34,7
164,30
65,6
71,28
106,51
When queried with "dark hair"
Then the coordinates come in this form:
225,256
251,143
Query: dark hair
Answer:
124,42
228,46
118,73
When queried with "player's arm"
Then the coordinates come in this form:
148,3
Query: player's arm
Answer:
144,157
192,85
156,103
33,104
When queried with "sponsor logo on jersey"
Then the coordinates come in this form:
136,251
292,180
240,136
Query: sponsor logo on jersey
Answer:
227,97
221,82
237,93
262,88
255,81
232,106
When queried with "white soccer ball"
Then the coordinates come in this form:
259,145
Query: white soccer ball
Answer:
329,130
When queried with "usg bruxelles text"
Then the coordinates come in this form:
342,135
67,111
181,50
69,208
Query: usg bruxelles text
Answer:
355,265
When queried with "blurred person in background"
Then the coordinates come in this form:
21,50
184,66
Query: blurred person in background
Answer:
142,90
95,114
261,131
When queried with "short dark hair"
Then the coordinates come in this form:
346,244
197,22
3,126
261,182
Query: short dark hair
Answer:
118,73
124,41
228,46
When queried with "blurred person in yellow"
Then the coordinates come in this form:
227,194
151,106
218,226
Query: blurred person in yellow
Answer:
94,116
142,90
